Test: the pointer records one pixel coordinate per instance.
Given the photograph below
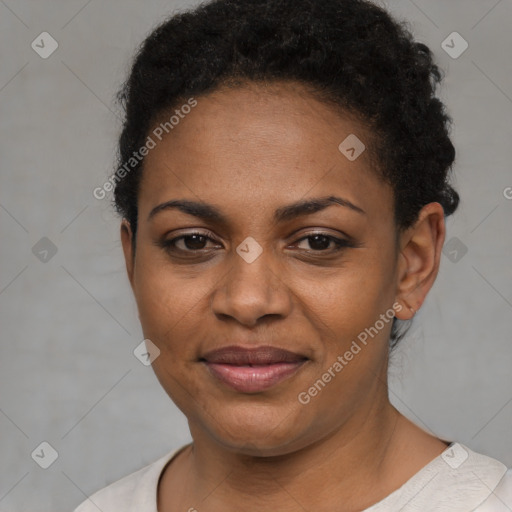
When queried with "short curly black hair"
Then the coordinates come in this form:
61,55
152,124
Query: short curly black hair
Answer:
350,54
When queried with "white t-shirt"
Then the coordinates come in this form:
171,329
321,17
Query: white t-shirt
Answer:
457,480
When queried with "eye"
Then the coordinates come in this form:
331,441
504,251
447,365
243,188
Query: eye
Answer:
322,242
189,242
197,243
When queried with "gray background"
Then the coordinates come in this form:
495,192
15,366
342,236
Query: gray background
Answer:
68,375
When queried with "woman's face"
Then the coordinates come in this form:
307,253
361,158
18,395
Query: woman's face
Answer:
254,279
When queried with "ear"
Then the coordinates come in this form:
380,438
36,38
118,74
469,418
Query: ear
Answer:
129,255
419,258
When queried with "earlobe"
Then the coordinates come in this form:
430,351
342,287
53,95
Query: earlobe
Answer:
420,256
126,241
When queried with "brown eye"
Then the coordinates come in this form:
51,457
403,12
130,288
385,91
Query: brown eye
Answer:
320,242
188,243
193,242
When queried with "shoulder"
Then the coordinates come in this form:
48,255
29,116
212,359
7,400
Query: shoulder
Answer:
136,491
464,479
501,498
458,480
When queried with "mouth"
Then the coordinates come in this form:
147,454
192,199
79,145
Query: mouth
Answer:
252,370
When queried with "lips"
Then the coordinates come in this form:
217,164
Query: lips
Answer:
252,370
242,356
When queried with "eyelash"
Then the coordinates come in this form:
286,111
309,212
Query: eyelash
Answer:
170,245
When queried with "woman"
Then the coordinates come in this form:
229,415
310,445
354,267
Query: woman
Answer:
283,185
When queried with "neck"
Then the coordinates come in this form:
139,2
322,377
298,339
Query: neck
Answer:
346,463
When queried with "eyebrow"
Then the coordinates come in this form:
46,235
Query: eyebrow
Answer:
209,212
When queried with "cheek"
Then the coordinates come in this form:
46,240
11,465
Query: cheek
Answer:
352,346
352,297
165,302
345,309
168,312
165,294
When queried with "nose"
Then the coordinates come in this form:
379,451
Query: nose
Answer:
250,291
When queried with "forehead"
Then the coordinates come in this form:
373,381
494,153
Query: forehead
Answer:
260,144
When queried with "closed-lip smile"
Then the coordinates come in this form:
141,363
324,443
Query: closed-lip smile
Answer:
254,369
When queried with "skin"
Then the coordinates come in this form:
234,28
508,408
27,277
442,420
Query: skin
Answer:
249,151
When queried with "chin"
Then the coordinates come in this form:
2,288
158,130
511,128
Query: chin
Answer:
258,446
255,431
